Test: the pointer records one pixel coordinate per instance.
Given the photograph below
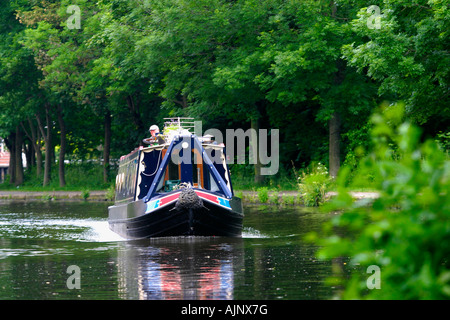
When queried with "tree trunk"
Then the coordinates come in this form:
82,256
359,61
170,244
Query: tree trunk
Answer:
62,150
29,148
334,126
11,145
48,148
36,142
39,159
259,179
18,157
183,102
48,144
107,146
134,109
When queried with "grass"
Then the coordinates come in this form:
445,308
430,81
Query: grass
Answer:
263,194
243,179
79,177
89,176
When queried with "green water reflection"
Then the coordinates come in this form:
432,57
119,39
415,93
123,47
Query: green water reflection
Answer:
40,240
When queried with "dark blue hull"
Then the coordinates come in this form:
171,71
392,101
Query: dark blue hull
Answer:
132,222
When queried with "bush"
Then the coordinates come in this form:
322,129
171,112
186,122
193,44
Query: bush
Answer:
263,194
406,231
85,194
443,140
313,185
111,193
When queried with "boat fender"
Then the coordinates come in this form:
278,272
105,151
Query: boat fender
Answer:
188,199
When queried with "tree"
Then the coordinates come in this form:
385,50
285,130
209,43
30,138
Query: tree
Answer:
407,56
18,85
114,82
45,129
60,54
248,60
295,56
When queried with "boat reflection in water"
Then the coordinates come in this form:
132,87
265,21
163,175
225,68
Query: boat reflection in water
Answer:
188,268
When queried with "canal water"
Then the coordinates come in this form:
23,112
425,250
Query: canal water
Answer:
65,250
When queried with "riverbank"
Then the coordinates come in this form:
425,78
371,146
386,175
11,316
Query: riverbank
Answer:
99,195
274,197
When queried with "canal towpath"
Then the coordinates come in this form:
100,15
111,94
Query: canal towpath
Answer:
102,195
98,195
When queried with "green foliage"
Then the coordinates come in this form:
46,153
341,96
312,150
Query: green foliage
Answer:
274,198
111,193
288,199
406,231
239,194
443,139
313,184
85,194
408,55
263,194
46,197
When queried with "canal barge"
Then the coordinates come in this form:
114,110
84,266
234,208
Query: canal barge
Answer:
178,186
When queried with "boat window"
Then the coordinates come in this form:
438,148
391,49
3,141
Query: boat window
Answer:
149,164
125,189
213,185
173,171
197,169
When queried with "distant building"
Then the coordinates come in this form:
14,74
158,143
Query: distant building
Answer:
4,160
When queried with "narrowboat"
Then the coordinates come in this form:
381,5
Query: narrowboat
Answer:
178,186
